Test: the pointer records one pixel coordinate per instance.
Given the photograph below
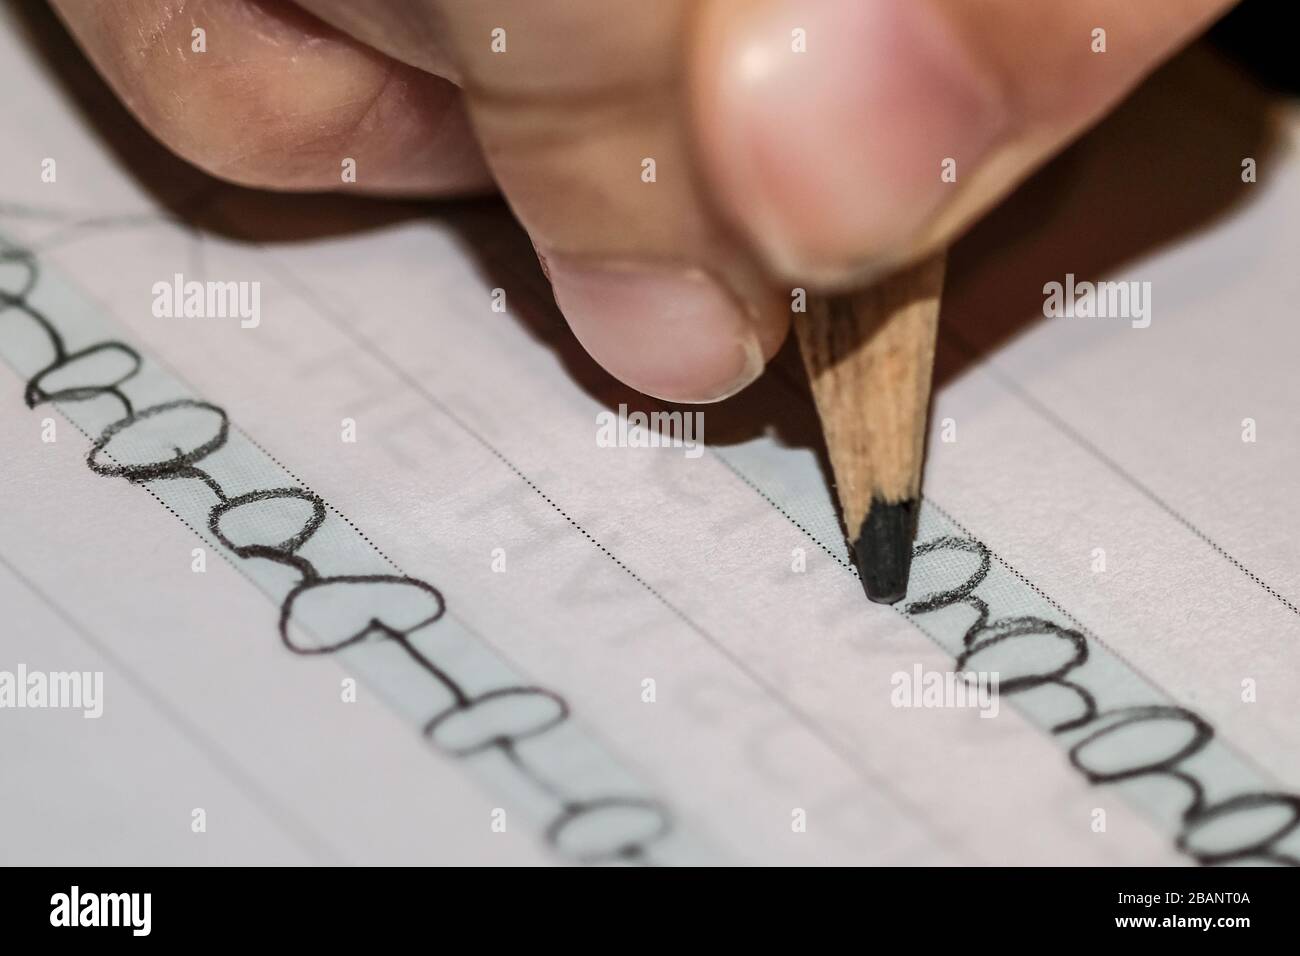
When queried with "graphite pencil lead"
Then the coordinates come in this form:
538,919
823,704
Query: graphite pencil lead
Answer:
883,549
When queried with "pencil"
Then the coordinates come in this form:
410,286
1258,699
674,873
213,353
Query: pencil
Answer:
869,357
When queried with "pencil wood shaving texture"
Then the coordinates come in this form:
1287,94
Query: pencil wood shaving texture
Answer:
869,358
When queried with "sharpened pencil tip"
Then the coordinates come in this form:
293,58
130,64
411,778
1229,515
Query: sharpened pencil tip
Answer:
884,549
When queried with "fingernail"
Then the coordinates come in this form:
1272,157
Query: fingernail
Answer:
825,126
675,334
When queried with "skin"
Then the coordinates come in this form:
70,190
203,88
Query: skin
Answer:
773,168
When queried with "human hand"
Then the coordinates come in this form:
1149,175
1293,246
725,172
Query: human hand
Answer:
794,142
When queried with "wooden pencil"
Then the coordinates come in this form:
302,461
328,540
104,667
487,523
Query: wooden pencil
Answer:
869,356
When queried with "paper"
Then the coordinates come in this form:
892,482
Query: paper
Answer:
438,622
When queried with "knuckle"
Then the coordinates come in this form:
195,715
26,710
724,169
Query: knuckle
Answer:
258,115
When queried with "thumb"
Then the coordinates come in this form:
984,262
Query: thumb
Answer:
847,137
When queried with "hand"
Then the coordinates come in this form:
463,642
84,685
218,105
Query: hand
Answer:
779,158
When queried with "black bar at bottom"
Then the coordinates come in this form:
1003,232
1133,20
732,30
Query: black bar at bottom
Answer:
338,906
